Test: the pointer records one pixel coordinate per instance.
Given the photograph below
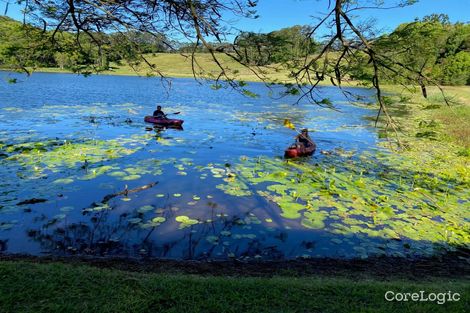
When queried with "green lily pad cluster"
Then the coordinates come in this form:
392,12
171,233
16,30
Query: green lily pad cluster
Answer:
154,222
233,186
378,195
185,221
55,156
98,208
27,165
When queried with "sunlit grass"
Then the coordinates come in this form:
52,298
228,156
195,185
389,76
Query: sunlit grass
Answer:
453,119
181,66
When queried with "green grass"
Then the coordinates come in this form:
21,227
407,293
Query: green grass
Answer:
178,65
456,117
457,123
55,287
452,122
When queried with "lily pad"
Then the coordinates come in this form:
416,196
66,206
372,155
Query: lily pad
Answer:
131,177
158,219
185,221
145,208
63,181
135,220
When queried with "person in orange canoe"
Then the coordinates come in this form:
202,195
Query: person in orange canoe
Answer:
303,139
158,113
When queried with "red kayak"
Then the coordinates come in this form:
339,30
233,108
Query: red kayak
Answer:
163,121
299,151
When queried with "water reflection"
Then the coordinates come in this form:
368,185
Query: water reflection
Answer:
104,234
160,128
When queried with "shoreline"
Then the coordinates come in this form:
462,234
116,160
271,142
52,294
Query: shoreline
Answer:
389,88
169,76
450,265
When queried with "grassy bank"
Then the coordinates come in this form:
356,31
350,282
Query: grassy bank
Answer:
30,287
431,123
454,119
178,65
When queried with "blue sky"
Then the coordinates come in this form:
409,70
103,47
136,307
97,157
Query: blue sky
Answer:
276,14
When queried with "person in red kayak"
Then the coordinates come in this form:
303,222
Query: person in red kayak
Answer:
303,139
158,113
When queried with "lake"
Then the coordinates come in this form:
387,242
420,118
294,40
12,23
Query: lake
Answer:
217,189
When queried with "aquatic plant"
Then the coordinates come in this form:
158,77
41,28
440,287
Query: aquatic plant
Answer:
379,195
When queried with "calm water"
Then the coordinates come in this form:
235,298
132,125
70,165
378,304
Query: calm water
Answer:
184,215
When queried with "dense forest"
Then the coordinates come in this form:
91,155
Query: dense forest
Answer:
26,46
433,47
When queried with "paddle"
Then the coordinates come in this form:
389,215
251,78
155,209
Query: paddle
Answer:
175,113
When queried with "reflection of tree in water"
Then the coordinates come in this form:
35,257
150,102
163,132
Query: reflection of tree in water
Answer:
217,238
3,245
96,237
105,234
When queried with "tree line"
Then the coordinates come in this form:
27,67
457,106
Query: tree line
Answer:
23,46
432,47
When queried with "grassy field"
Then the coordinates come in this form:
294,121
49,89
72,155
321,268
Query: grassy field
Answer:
443,123
178,65
31,287
456,117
